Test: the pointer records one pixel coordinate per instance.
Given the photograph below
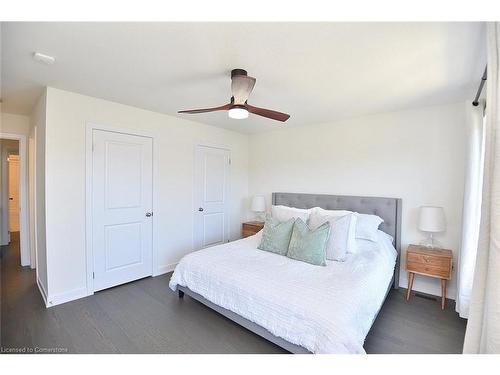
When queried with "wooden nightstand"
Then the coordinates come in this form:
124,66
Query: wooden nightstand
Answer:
429,262
250,228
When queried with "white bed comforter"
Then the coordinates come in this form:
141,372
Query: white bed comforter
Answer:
324,309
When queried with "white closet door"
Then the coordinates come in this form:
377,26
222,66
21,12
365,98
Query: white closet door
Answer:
122,187
211,196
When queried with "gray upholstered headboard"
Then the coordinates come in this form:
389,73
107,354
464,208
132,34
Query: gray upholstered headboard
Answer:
388,209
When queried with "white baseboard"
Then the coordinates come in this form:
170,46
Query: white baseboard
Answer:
74,294
42,290
71,295
165,268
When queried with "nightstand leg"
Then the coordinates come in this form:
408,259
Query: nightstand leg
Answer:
443,293
410,284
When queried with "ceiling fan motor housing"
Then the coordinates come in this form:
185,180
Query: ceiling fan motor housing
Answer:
238,72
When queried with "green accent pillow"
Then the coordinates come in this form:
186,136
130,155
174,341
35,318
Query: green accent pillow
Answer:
276,235
309,245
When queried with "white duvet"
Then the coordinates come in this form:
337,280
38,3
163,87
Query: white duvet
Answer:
324,309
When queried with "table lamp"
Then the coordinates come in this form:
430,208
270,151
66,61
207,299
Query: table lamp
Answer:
431,220
259,206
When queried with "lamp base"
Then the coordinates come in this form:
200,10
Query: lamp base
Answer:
261,216
431,243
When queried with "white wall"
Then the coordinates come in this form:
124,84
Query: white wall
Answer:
12,123
416,155
67,116
38,119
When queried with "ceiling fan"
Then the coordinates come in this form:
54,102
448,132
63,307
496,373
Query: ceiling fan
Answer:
241,87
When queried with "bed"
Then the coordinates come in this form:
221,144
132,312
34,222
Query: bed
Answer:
300,307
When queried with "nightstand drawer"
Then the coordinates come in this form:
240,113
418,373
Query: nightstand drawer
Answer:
433,262
430,269
428,259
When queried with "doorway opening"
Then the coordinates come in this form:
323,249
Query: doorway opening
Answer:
10,190
13,195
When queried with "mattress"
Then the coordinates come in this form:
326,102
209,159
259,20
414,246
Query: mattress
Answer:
323,309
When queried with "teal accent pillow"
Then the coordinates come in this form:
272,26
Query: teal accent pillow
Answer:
309,245
276,235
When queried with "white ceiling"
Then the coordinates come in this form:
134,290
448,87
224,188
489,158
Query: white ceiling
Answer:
316,72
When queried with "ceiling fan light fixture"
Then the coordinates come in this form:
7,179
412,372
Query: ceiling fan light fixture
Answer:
238,108
238,112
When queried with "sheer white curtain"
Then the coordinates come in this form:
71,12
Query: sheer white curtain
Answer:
472,208
483,328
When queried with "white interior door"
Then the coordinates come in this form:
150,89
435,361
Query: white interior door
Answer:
13,193
211,196
122,188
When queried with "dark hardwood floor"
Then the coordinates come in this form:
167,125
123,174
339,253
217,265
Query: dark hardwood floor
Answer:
145,316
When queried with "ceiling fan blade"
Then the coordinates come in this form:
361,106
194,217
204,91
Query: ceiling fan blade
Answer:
275,115
203,110
241,87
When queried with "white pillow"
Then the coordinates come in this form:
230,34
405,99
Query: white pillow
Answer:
367,227
284,213
342,232
338,213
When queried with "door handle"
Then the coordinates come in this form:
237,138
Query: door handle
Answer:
149,214
200,209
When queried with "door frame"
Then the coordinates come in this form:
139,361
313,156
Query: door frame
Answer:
194,243
32,195
24,243
90,127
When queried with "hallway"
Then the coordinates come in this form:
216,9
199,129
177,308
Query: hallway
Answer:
20,298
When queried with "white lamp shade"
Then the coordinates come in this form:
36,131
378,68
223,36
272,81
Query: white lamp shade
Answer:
258,204
431,219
